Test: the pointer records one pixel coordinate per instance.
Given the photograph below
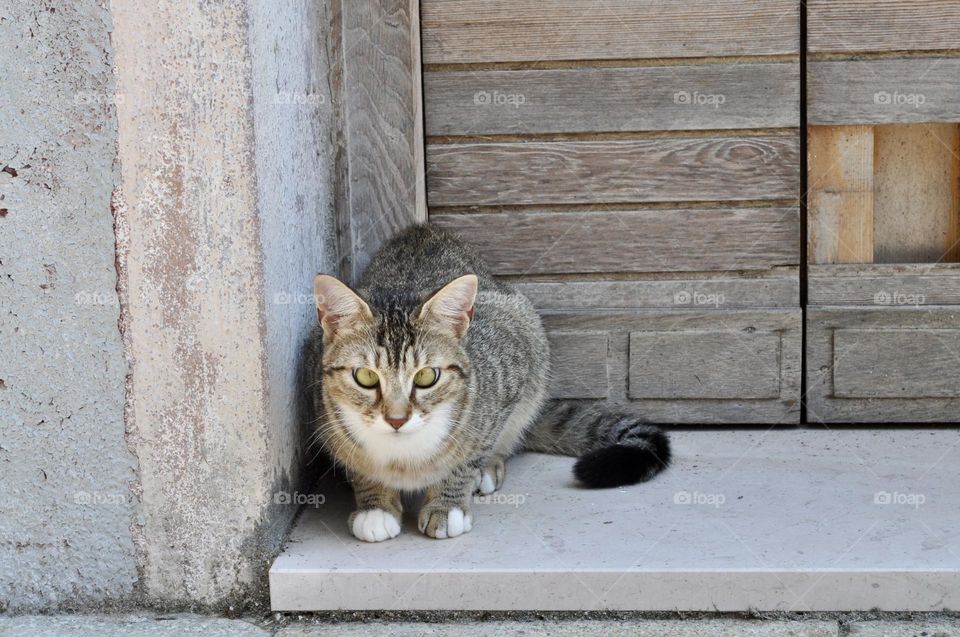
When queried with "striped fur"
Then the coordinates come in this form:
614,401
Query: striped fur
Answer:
415,308
613,449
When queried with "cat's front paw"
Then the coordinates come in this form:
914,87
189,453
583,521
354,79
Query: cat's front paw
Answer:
490,478
444,522
374,525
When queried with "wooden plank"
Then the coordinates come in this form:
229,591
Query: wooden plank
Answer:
882,25
952,253
884,284
711,364
683,97
899,363
382,131
916,178
824,406
756,167
721,292
459,31
783,323
883,91
578,365
840,194
631,241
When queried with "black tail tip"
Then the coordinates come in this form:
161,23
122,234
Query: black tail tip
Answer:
619,465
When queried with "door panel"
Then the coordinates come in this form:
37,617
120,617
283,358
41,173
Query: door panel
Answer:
715,364
543,242
883,211
477,31
579,367
690,366
663,169
592,99
883,364
634,168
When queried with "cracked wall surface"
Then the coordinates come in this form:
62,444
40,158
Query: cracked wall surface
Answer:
66,503
168,202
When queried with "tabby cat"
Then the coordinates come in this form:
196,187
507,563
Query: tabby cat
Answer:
432,373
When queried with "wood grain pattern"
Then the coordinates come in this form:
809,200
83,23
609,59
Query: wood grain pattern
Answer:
883,91
895,363
457,31
757,167
840,194
779,329
382,126
684,97
632,241
952,252
704,365
721,292
884,284
882,25
578,365
903,325
917,171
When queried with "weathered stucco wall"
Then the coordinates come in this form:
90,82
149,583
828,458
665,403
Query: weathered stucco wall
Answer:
66,506
199,136
293,130
221,209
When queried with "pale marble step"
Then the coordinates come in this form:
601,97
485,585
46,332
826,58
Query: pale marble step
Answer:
748,519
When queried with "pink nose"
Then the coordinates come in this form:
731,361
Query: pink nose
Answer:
396,423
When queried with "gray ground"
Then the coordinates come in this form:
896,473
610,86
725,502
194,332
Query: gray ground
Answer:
483,625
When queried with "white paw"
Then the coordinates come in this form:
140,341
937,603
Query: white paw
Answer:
374,525
490,478
488,483
442,524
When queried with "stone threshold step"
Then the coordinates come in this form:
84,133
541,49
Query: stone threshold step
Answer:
781,519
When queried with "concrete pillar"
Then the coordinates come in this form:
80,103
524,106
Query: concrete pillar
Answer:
223,202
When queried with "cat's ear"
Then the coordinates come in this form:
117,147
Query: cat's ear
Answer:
452,307
337,305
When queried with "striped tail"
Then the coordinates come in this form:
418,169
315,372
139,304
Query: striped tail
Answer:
613,449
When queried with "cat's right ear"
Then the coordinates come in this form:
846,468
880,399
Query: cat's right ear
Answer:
337,305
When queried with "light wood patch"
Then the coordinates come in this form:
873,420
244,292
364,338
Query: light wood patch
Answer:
840,194
916,203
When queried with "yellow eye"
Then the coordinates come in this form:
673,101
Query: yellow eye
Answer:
426,377
366,377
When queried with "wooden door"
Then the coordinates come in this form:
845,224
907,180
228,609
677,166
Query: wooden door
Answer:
633,167
883,322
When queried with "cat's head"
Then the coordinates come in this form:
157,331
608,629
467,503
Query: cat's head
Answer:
395,369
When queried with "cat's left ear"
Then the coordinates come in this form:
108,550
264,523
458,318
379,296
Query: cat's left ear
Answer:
452,307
